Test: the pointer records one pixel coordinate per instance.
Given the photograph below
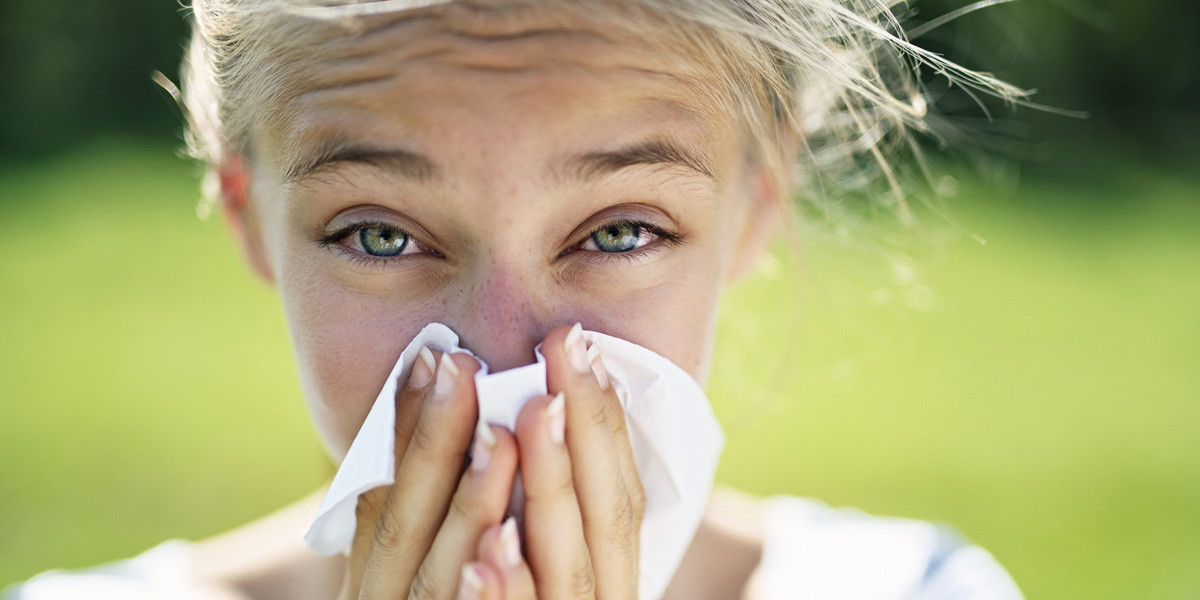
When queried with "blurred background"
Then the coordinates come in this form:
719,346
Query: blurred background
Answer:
1041,392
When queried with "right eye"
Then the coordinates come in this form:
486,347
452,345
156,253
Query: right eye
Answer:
374,241
382,241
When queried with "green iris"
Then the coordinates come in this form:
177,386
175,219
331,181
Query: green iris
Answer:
382,241
617,237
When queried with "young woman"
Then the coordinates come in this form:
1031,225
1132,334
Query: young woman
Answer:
518,170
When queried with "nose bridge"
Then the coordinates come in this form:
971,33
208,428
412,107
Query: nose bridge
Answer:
501,320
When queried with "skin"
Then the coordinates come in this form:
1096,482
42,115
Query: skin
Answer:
495,141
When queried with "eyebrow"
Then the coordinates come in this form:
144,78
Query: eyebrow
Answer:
404,163
582,167
655,151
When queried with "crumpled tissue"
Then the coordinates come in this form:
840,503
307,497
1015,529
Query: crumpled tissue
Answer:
675,438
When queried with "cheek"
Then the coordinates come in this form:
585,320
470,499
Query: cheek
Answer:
676,316
676,321
346,345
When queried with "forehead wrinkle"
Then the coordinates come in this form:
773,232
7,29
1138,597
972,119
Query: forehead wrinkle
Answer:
340,80
491,37
510,53
486,36
667,110
499,20
486,25
524,53
386,55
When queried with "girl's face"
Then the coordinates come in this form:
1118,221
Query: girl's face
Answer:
502,177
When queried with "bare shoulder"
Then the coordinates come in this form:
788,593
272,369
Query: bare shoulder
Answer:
266,559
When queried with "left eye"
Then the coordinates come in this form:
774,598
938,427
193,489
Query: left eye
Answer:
618,237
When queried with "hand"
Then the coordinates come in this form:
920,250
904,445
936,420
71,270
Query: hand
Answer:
584,501
413,537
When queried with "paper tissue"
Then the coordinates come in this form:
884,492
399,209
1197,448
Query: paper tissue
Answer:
675,438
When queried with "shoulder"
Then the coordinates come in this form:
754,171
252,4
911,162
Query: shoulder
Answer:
812,550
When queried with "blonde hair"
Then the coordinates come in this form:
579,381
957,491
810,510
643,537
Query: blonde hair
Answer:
841,74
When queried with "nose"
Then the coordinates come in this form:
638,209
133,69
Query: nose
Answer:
503,315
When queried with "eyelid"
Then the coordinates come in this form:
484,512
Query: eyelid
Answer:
643,215
345,231
370,214
632,213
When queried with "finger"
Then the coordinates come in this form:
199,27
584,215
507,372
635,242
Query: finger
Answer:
500,548
615,415
410,395
479,581
554,541
479,501
609,518
426,477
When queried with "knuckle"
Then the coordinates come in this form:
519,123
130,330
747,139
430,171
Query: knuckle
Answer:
616,424
424,587
596,414
583,582
461,507
563,486
425,438
614,412
637,498
549,489
621,522
392,532
369,504
378,559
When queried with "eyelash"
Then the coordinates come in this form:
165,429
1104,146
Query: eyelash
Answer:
333,240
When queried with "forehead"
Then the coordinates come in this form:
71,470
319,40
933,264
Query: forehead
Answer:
412,76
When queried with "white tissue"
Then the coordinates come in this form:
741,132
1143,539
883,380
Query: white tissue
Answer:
676,443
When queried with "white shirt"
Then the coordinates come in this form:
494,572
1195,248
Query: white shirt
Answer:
810,552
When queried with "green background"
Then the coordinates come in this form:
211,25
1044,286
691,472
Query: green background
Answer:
1039,392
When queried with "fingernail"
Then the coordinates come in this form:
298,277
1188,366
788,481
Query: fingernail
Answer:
422,370
481,450
470,586
447,376
556,418
576,352
510,543
593,355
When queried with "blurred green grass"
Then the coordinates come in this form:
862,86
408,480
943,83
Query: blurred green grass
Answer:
1040,392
